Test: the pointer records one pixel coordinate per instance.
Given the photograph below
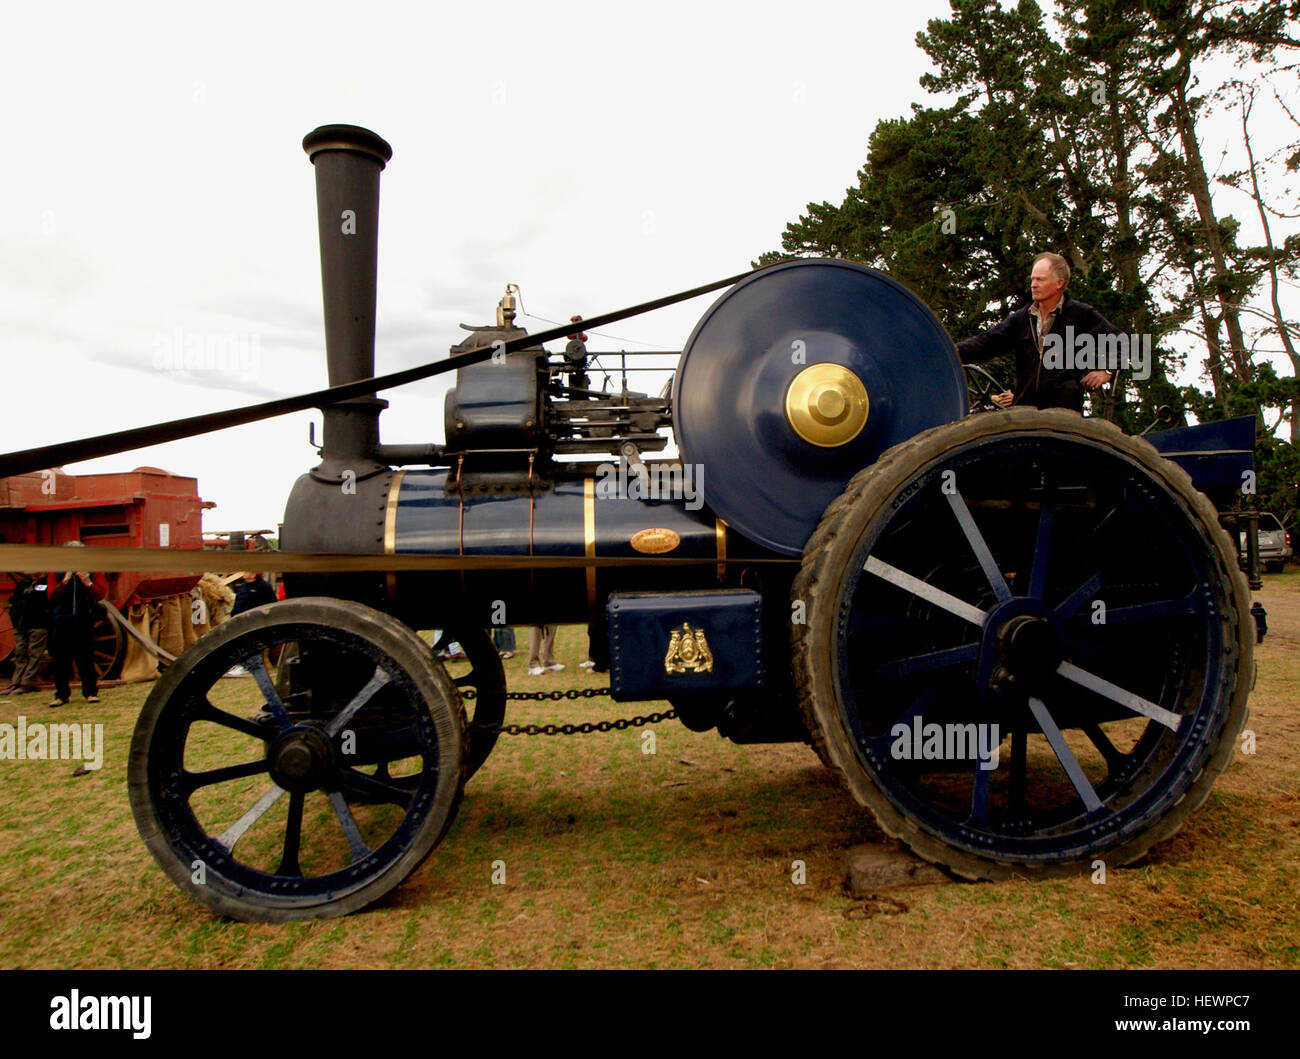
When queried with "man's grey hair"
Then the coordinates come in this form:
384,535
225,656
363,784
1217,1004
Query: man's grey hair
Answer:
1060,267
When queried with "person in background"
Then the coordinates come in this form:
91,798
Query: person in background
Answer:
445,649
541,650
252,590
29,614
597,646
74,609
503,639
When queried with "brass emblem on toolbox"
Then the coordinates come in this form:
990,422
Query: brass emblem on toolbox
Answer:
688,650
655,541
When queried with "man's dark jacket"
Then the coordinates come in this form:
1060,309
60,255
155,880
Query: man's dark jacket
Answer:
250,594
1036,385
29,605
75,603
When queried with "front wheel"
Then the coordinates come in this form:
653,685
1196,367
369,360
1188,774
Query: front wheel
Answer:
312,792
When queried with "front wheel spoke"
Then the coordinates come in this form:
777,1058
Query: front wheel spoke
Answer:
979,546
930,593
933,660
292,837
255,665
1065,756
235,831
1115,693
376,786
356,844
377,680
208,712
195,780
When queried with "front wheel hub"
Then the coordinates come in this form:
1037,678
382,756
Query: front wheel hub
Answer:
300,759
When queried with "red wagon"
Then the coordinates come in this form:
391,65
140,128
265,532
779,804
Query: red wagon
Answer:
146,507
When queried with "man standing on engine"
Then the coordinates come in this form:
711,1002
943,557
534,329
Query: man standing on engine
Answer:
1043,324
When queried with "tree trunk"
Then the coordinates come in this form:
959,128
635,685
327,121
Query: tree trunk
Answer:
1199,185
1283,330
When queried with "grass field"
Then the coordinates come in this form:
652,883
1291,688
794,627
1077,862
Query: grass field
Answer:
684,858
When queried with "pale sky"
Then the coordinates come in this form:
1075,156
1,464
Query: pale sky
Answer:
154,191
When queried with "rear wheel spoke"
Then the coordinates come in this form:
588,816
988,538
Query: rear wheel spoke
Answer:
979,546
1019,772
1115,760
979,797
1164,608
1079,597
1065,756
950,656
922,701
1115,693
1038,573
928,592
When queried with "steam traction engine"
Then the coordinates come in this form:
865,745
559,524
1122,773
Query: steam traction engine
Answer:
1020,637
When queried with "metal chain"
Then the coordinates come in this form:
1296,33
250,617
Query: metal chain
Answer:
564,729
469,694
575,729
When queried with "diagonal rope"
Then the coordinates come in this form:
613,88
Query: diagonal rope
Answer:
26,460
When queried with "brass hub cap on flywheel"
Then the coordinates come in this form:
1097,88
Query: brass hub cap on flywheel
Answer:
827,405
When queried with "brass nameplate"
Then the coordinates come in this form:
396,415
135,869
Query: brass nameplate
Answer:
655,541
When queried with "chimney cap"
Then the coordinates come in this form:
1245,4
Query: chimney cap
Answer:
347,138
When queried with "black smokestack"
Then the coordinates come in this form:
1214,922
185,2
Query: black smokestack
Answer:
348,160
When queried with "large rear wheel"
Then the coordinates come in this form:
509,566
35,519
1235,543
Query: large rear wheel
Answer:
1028,644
